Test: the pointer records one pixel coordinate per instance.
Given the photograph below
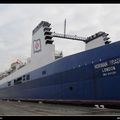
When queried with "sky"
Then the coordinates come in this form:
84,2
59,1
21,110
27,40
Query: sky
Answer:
18,20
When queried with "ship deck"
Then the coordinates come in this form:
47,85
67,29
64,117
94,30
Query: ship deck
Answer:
22,108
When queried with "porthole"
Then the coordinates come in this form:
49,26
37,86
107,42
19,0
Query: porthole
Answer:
71,88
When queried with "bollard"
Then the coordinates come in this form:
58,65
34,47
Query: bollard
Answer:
97,106
39,102
102,106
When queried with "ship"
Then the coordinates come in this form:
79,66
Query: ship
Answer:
91,76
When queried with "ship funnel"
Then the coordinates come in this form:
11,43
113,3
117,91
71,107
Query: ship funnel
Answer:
43,50
41,36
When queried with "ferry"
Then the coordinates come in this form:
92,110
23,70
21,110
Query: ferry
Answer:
88,77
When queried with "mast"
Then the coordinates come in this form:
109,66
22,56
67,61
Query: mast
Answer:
64,27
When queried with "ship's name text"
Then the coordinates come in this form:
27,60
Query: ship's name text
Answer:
101,65
108,67
107,63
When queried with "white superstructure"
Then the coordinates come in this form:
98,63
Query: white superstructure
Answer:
96,40
43,52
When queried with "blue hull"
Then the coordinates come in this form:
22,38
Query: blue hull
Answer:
73,78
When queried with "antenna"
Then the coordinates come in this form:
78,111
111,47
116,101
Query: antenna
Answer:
72,37
64,27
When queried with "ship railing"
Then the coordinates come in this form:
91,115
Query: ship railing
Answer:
73,37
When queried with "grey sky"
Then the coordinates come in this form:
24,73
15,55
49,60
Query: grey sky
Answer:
18,20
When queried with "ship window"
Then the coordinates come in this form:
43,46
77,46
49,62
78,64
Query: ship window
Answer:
28,77
9,83
23,77
18,81
43,72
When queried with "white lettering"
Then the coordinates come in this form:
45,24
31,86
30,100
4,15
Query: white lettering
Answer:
108,69
109,73
115,61
100,65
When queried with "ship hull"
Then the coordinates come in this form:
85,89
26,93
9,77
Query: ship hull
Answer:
82,78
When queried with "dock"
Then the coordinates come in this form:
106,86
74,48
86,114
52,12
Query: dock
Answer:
21,108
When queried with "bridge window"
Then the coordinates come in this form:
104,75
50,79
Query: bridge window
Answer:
18,81
28,77
9,83
23,77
